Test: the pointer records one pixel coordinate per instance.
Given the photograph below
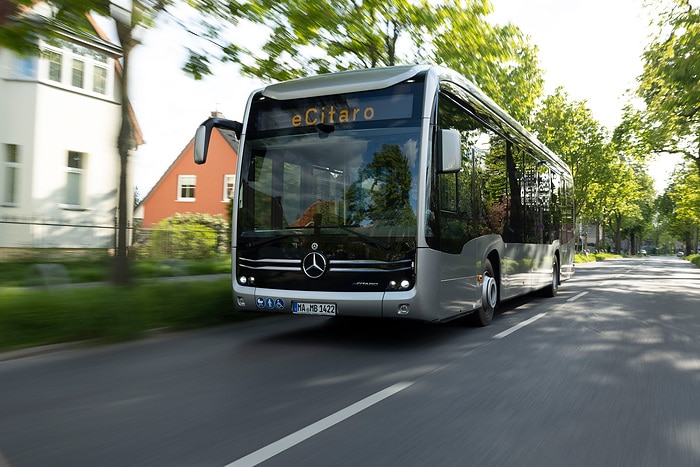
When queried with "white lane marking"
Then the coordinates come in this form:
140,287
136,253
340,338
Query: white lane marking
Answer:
576,297
503,334
297,437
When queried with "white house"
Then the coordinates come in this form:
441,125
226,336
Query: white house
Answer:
59,121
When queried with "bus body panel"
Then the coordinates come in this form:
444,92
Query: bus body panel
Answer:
365,304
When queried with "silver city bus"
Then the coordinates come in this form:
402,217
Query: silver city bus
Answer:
399,192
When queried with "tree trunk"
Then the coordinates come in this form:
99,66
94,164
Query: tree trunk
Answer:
125,142
633,243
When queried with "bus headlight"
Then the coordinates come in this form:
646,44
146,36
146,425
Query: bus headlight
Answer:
243,280
403,285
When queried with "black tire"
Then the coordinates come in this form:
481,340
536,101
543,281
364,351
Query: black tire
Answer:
553,287
489,297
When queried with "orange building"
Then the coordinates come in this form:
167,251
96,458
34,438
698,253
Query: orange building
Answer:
188,187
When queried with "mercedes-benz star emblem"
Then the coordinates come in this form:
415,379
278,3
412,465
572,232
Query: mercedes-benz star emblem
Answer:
314,265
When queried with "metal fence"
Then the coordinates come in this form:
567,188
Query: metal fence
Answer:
23,237
55,233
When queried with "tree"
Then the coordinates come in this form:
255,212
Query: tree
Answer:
662,236
625,196
670,121
569,129
499,59
321,36
611,186
684,196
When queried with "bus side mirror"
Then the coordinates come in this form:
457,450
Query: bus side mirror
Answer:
203,135
450,151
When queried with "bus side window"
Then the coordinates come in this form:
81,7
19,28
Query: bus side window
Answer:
461,210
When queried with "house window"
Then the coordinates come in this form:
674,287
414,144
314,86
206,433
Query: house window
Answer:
55,62
25,67
78,73
229,182
99,80
11,178
99,73
86,69
74,179
185,187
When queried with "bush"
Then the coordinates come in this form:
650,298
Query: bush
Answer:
579,258
188,236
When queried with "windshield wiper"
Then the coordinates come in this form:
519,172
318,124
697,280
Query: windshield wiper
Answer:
296,232
282,235
366,238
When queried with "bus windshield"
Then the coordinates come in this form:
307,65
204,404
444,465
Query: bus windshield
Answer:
313,166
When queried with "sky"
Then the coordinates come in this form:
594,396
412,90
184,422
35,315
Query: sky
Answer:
591,48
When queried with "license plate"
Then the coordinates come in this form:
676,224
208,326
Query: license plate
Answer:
306,308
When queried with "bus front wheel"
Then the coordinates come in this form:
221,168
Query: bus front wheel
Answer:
489,296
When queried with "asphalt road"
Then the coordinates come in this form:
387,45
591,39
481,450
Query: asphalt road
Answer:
606,373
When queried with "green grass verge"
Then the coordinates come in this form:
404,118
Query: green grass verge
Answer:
41,316
594,257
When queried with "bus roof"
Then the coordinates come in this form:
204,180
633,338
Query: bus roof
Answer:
339,83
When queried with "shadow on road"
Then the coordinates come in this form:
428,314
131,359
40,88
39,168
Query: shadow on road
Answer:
384,334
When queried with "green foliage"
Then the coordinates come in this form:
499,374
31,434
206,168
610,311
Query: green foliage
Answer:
321,36
390,192
669,84
611,185
30,317
580,259
499,59
681,205
569,129
23,272
189,236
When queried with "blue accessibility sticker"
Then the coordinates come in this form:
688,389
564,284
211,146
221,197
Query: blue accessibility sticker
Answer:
260,302
269,303
279,304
